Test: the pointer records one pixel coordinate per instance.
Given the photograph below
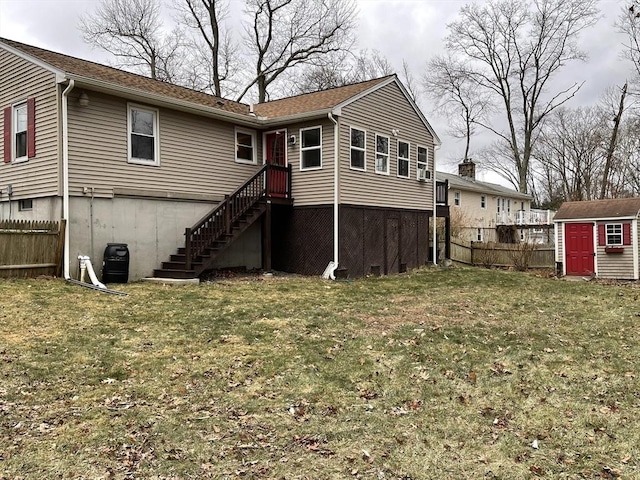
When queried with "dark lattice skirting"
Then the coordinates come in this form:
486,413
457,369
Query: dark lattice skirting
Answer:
371,239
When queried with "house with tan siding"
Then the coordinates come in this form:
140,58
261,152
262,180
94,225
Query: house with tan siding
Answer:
489,212
337,179
599,238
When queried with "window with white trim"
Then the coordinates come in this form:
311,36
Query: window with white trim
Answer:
422,164
483,201
311,148
614,233
382,154
358,149
20,132
479,236
143,135
246,146
456,198
403,159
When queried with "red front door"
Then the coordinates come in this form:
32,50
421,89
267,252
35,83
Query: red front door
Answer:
276,154
579,248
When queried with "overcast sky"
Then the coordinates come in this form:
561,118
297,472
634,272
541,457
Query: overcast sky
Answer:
399,29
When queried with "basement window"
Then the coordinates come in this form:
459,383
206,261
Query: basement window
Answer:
25,205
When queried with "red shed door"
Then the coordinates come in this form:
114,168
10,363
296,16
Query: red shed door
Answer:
579,248
275,144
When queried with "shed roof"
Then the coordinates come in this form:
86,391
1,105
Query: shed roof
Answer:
595,209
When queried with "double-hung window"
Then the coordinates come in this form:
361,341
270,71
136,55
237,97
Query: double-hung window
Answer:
422,164
311,148
382,154
245,146
403,159
614,234
20,132
483,201
456,198
143,135
358,149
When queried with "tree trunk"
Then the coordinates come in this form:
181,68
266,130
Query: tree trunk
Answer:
612,143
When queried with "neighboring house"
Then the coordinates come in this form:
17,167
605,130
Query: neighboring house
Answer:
343,175
599,238
479,210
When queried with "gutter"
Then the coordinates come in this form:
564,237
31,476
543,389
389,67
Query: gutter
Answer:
65,177
244,119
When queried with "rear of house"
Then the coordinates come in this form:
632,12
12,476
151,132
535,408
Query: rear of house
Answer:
599,238
130,160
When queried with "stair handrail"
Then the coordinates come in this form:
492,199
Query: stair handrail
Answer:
218,221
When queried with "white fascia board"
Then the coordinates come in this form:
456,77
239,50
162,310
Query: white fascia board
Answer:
161,100
589,220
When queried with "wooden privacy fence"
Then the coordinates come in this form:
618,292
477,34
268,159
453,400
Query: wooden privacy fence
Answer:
29,249
491,254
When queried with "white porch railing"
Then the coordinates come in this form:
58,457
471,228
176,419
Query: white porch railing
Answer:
526,217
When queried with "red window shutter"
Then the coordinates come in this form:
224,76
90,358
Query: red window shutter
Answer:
31,127
626,234
602,235
7,135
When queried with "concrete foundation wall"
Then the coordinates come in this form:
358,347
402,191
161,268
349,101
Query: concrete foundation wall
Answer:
152,229
43,209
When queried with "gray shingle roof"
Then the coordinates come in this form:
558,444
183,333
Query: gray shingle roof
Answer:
593,209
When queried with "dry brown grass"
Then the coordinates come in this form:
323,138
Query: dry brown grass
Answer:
434,374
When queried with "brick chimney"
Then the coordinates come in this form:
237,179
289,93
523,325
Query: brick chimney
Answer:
467,169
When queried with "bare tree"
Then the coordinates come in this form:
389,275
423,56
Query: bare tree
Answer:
513,49
212,49
629,24
451,87
341,68
571,150
617,118
131,31
284,34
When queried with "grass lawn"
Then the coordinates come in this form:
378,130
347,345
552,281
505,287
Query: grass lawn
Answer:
443,374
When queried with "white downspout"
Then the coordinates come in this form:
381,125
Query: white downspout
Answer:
435,208
336,172
65,177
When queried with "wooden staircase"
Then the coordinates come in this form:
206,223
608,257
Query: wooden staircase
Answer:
209,237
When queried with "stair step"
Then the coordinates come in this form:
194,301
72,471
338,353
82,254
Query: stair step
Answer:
179,265
174,273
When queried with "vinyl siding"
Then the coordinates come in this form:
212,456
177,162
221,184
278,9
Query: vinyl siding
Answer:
615,265
380,112
197,154
312,187
20,79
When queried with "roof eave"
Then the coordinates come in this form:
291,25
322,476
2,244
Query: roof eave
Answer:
594,219
160,100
